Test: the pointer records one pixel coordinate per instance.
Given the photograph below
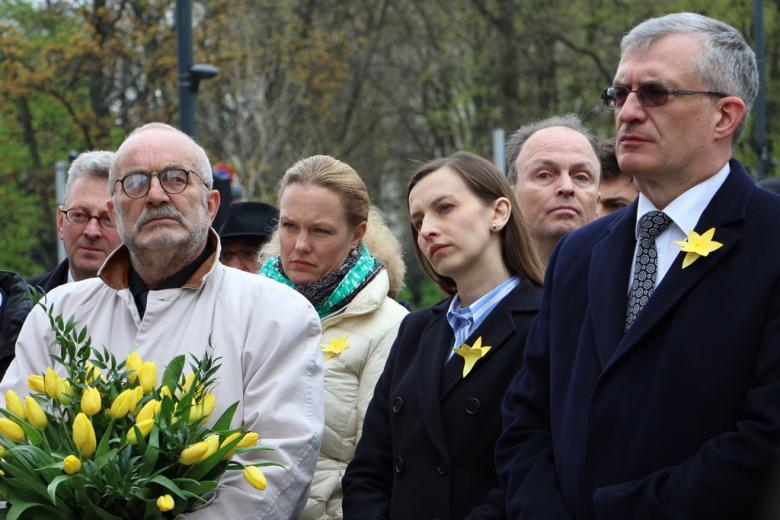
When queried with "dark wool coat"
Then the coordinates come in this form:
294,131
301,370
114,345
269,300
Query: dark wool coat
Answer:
429,434
679,417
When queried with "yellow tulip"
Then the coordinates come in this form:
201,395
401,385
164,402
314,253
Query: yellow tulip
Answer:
212,445
148,411
250,439
121,405
71,464
50,379
14,404
188,380
91,402
230,438
11,430
133,365
64,391
135,398
147,376
35,414
203,408
84,435
192,454
93,373
35,383
144,426
166,392
255,477
165,503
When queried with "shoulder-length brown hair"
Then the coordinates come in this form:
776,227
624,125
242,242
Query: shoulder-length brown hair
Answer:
487,184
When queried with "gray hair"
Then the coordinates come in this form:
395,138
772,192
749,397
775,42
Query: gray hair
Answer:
727,65
518,139
202,163
93,164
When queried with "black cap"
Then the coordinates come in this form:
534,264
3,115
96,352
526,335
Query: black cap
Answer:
249,219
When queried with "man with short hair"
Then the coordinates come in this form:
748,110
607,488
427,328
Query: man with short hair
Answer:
164,293
554,171
83,222
616,190
651,380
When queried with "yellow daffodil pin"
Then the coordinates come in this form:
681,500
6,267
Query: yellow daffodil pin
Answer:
335,346
471,355
698,245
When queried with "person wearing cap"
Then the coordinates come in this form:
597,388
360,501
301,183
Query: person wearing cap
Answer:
247,227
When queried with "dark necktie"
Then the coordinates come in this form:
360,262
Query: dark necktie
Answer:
646,263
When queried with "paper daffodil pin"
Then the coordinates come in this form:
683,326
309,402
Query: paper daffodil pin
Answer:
472,354
698,245
335,346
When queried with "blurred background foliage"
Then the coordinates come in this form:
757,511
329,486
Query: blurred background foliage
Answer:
380,84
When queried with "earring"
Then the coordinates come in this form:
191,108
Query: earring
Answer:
493,227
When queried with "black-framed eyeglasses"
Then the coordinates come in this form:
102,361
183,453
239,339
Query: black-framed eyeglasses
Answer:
80,217
649,95
172,180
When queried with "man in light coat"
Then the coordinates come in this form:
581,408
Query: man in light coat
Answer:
164,293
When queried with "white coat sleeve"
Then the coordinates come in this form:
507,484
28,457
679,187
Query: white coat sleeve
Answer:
283,402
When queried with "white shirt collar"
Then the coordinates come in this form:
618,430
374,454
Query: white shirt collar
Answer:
687,208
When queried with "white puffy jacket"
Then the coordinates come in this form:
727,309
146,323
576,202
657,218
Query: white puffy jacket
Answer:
368,324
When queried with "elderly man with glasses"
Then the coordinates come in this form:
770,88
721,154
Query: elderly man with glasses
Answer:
164,293
651,379
83,222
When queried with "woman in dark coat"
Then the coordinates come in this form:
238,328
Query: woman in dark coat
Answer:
430,430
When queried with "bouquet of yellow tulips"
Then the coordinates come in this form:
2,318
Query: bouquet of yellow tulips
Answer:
107,442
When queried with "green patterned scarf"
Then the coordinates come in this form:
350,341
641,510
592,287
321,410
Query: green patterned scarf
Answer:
335,289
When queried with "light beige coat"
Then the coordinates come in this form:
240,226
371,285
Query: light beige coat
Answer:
369,324
267,336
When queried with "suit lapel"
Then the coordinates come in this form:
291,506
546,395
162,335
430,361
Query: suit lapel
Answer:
435,343
727,208
610,267
497,329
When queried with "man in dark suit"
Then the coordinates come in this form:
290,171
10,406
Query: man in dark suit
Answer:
83,222
651,379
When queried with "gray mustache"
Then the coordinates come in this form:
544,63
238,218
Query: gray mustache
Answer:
163,211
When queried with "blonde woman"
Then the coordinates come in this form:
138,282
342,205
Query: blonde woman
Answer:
325,225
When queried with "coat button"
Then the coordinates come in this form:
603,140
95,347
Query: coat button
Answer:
399,464
442,469
398,404
472,406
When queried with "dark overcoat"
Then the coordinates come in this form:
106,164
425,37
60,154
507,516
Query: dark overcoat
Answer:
429,433
679,417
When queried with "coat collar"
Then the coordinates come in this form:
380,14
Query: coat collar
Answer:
115,269
367,300
435,380
611,262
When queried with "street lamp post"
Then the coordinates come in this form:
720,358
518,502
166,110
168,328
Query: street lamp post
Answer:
190,74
